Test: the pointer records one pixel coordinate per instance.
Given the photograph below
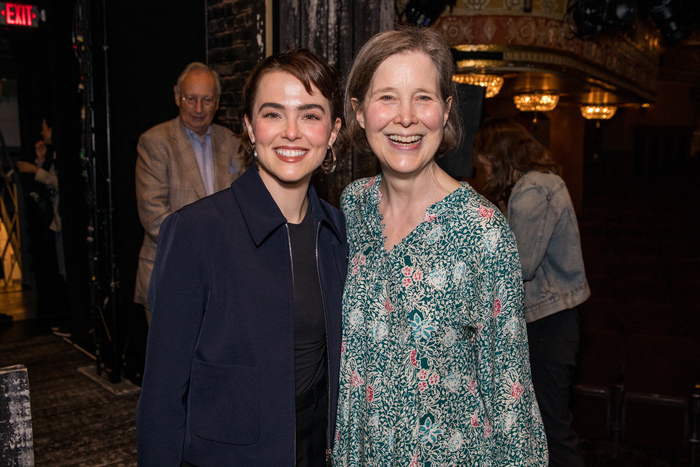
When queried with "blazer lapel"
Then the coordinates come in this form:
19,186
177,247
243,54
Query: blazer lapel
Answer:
188,159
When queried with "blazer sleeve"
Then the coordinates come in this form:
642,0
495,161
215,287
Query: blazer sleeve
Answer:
176,300
152,197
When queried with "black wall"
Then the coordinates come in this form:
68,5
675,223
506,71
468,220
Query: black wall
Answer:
138,49
458,163
147,45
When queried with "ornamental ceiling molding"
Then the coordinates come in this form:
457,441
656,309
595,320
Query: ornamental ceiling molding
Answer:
554,9
523,59
530,42
644,84
533,30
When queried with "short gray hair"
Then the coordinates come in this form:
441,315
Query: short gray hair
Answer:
199,66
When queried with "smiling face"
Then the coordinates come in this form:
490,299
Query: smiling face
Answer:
291,129
403,114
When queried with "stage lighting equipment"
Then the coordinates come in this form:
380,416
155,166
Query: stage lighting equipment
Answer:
668,17
594,16
425,12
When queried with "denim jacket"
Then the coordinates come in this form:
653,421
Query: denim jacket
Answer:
542,217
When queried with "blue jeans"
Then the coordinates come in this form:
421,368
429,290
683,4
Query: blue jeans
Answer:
554,342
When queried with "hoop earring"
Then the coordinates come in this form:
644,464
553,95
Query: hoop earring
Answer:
326,170
255,157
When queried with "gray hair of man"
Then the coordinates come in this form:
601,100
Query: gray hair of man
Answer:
199,66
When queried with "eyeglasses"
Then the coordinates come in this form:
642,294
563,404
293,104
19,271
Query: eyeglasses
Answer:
191,101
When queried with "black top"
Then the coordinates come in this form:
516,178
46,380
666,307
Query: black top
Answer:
309,318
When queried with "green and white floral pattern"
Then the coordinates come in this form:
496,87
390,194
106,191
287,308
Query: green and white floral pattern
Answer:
434,365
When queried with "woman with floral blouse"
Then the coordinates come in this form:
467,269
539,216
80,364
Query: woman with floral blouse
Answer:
434,362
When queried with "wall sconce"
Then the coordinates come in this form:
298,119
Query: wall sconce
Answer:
536,102
492,83
598,112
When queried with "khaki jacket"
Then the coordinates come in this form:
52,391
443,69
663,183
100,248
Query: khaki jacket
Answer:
168,178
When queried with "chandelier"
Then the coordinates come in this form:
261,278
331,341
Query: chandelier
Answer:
492,83
536,102
598,112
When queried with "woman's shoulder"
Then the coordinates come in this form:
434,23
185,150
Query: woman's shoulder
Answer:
546,180
540,186
362,184
471,212
469,202
358,189
213,209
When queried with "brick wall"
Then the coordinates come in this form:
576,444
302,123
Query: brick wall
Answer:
235,43
334,30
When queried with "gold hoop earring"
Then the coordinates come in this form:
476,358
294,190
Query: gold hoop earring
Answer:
326,170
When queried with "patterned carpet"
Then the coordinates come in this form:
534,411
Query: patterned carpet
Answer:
75,421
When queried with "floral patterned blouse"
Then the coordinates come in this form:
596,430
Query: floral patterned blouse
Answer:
435,366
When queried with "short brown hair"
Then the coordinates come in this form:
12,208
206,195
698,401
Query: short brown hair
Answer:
308,68
389,43
512,151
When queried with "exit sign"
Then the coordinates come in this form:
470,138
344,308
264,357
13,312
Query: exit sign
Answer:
17,14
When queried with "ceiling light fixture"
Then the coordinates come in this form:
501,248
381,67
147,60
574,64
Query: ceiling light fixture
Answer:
492,83
598,111
536,102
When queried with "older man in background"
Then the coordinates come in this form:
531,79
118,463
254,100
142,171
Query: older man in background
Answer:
181,161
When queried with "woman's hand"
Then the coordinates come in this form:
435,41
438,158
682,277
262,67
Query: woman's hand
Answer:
27,167
40,148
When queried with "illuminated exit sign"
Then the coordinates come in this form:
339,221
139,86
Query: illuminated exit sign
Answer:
17,14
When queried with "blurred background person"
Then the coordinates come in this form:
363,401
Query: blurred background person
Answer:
524,180
44,229
181,161
435,366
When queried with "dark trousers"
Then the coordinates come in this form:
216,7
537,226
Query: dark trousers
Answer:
554,342
311,427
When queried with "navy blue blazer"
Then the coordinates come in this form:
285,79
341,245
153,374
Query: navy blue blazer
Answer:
218,386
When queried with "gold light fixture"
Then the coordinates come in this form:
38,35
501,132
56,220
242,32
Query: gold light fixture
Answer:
598,111
536,102
492,83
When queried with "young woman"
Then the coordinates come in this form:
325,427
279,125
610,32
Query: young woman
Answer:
435,368
244,342
523,178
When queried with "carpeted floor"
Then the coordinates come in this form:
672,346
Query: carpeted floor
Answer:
75,421
78,422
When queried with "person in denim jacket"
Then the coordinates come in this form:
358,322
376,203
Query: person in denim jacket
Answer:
523,179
